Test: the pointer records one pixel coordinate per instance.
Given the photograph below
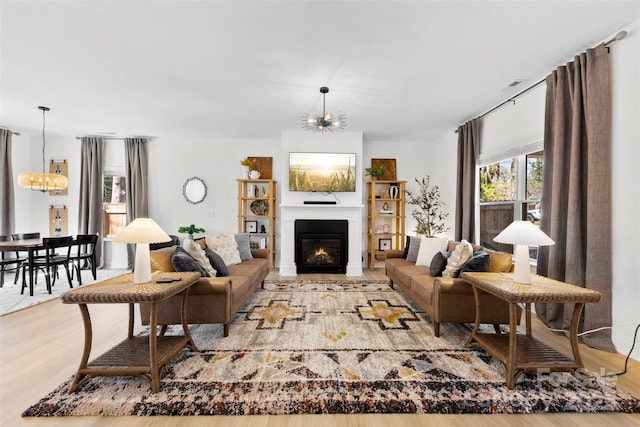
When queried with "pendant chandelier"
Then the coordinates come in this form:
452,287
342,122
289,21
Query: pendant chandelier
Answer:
41,181
325,121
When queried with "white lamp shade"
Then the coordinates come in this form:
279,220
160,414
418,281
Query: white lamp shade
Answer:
142,230
523,233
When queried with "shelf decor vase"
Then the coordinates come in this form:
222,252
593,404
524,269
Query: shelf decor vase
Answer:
394,191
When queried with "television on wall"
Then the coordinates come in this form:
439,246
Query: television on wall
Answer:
323,172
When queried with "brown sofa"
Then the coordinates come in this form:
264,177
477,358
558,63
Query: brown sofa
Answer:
447,299
211,299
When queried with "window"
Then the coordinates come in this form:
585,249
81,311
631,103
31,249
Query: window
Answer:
113,204
510,188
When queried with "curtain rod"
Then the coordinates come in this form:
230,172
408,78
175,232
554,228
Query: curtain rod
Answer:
112,137
15,132
619,36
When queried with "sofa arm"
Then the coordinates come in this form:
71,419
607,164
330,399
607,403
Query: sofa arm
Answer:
393,253
211,286
450,285
260,253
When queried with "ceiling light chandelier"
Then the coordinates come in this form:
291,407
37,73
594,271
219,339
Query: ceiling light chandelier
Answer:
41,181
326,121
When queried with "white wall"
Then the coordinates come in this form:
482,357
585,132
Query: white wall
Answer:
522,124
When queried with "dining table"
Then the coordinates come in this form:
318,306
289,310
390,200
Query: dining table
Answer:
31,246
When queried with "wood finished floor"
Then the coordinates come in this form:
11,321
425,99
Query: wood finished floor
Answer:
41,347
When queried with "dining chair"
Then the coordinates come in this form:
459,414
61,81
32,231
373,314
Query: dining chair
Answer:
49,263
5,263
84,255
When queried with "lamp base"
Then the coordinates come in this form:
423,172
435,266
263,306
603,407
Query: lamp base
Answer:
142,268
522,272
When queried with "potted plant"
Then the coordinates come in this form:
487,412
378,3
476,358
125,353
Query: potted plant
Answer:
374,172
247,163
190,230
429,215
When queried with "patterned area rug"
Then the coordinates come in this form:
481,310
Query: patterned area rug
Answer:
312,347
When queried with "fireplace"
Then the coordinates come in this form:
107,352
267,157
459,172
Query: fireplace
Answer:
321,245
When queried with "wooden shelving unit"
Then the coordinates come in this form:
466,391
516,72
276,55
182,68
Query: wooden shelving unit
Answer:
257,203
385,226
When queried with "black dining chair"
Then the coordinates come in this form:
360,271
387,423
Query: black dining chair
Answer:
50,262
7,262
85,255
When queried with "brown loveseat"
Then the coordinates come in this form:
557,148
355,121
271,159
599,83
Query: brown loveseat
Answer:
211,299
447,299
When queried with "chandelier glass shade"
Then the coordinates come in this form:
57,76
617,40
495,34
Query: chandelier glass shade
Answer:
41,181
326,121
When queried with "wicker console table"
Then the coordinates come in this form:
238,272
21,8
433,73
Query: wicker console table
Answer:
521,353
136,355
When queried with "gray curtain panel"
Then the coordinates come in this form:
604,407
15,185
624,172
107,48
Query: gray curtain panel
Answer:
90,200
576,197
7,198
468,143
136,163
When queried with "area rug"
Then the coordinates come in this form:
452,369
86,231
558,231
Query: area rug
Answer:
339,347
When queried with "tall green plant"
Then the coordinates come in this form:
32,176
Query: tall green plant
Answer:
429,214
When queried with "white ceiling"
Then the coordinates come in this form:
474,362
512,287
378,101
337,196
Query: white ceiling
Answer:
248,70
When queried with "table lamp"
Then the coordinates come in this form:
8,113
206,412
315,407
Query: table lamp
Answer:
523,234
142,231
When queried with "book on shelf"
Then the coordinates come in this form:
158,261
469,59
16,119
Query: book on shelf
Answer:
383,212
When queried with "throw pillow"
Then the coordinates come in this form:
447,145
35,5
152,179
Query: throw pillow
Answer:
217,263
182,261
458,257
438,263
242,239
161,259
226,246
197,253
478,262
406,248
500,262
414,247
429,246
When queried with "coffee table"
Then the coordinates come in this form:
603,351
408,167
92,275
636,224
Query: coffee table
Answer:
136,355
521,353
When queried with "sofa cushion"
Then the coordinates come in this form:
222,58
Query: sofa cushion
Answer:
161,259
500,262
422,286
244,249
459,256
197,253
478,262
438,263
406,272
182,261
217,263
391,264
414,247
406,248
226,246
429,246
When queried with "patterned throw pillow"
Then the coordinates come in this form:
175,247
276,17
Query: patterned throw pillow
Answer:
479,262
458,257
226,246
429,246
438,263
217,262
414,247
242,239
197,253
182,261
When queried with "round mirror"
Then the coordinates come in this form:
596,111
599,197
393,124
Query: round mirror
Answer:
194,190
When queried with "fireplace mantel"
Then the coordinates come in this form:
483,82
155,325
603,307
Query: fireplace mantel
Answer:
290,212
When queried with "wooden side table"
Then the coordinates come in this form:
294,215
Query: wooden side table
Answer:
521,353
136,355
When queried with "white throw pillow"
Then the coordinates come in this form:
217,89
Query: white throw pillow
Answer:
429,246
226,246
197,253
458,257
